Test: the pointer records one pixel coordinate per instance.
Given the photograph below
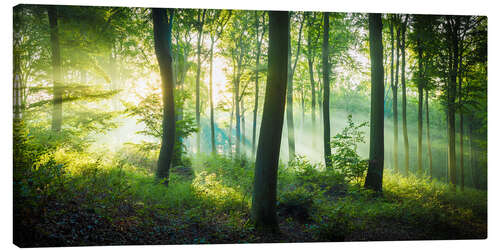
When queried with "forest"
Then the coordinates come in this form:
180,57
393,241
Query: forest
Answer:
158,126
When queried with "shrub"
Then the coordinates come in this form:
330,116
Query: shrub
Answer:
345,157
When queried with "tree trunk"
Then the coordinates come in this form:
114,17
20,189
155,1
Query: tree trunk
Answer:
231,127
289,95
266,164
319,100
326,91
56,70
162,29
243,124
180,73
429,151
313,92
256,99
237,108
461,125
395,104
420,86
212,123
200,22
376,161
403,97
452,163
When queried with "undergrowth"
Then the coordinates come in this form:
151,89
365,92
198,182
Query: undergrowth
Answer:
64,197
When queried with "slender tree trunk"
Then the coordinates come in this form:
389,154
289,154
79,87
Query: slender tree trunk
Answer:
180,74
289,106
403,98
212,122
451,106
429,151
461,124
231,126
326,90
56,70
243,123
319,99
266,164
256,99
289,94
313,91
420,107
201,19
395,104
237,108
163,43
376,161
302,105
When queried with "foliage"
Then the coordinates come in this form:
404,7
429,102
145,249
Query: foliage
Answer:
149,112
345,157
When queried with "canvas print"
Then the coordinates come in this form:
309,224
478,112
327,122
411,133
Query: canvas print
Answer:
147,126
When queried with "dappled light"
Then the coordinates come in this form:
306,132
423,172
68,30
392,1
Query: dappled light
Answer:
138,126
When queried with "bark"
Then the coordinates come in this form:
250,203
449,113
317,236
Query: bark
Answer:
56,70
256,99
180,74
326,91
289,95
212,122
266,164
310,62
237,107
461,124
201,20
395,104
231,127
453,30
376,161
429,151
403,97
162,29
420,88
243,123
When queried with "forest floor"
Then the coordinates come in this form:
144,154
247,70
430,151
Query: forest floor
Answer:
116,203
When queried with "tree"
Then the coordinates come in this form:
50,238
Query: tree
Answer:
199,43
162,29
266,164
403,95
289,94
219,20
56,69
376,161
258,39
182,34
429,151
421,40
312,39
452,27
238,45
394,87
326,90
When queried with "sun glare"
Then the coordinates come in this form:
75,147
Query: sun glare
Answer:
219,80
